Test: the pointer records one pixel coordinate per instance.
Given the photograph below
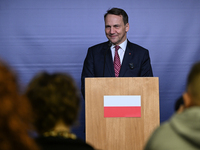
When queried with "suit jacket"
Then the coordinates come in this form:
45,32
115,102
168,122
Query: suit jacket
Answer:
99,63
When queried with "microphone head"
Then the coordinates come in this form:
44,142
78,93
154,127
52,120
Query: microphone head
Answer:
109,44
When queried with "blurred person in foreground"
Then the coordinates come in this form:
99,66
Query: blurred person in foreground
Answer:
182,131
55,99
15,114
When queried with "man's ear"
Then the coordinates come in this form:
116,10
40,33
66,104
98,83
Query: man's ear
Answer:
127,27
187,99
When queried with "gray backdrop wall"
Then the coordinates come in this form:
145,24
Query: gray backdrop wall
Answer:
54,35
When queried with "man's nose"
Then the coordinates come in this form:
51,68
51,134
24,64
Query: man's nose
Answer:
112,30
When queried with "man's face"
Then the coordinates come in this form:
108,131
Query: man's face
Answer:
115,29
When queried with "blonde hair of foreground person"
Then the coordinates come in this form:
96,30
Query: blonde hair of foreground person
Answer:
14,114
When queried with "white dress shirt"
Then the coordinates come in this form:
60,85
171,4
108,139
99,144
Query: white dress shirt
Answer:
121,50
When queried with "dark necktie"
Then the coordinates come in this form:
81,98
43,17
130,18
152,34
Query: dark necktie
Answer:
117,64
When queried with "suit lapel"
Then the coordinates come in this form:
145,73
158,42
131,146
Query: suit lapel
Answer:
109,63
109,67
126,60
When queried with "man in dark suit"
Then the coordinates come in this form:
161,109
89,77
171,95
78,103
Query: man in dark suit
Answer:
133,60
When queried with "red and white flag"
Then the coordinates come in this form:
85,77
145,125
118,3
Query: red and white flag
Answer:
122,106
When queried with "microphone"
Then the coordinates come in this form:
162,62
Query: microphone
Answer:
109,45
131,65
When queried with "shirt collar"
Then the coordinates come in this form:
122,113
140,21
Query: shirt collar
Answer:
122,45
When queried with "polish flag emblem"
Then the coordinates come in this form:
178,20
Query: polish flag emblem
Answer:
122,106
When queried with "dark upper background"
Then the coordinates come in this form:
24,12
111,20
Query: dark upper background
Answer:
54,35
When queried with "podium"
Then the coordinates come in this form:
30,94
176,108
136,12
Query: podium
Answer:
121,133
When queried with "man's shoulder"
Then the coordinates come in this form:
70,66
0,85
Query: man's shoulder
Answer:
135,46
